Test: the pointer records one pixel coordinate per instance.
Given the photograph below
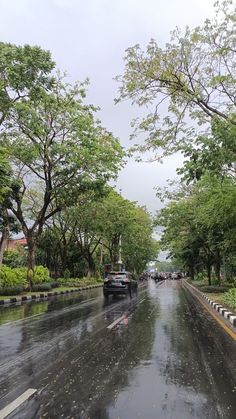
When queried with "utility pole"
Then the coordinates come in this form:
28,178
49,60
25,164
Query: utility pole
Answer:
120,261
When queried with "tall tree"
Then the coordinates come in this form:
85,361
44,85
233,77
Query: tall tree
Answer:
215,153
8,187
24,70
57,149
199,229
194,76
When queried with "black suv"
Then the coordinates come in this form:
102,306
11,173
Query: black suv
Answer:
119,283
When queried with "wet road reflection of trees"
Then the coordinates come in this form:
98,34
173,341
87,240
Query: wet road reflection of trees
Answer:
168,359
201,358
33,342
88,381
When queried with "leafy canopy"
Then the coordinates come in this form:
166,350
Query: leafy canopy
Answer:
24,70
192,78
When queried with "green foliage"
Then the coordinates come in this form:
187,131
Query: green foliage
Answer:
86,236
54,284
12,277
24,71
215,152
14,258
167,266
199,228
230,298
5,175
194,73
42,287
41,275
12,290
214,289
66,274
55,139
79,282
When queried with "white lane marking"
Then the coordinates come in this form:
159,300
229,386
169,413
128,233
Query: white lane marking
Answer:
16,403
113,324
141,301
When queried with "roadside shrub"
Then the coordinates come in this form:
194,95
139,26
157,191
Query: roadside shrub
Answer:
54,284
42,287
14,258
230,298
21,274
66,274
201,276
12,277
78,282
61,281
11,290
41,275
214,289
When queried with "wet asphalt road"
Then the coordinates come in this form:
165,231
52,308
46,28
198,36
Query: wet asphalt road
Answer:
167,359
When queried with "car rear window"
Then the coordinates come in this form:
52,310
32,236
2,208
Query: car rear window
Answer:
119,275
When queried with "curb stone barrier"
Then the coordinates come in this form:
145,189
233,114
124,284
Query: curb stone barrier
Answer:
224,312
24,298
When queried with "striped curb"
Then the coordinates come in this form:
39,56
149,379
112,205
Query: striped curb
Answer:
222,310
39,297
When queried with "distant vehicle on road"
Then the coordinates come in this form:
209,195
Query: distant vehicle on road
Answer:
176,275
118,283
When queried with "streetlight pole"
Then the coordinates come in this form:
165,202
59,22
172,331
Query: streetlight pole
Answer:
120,261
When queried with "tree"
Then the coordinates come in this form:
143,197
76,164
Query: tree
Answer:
8,223
139,247
194,74
24,70
86,236
5,175
125,219
58,150
199,229
215,153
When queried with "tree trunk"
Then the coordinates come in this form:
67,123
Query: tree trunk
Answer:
31,260
217,266
91,266
3,241
209,273
192,272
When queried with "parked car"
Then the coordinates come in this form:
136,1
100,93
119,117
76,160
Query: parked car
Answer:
120,283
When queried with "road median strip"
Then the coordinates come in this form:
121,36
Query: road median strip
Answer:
23,298
224,312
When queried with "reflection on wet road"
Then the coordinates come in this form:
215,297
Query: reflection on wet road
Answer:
166,359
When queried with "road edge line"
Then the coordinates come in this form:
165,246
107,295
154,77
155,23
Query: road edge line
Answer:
6,411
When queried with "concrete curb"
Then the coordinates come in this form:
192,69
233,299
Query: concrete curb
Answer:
224,312
45,296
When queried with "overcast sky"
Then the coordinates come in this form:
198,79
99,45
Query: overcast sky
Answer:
88,38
